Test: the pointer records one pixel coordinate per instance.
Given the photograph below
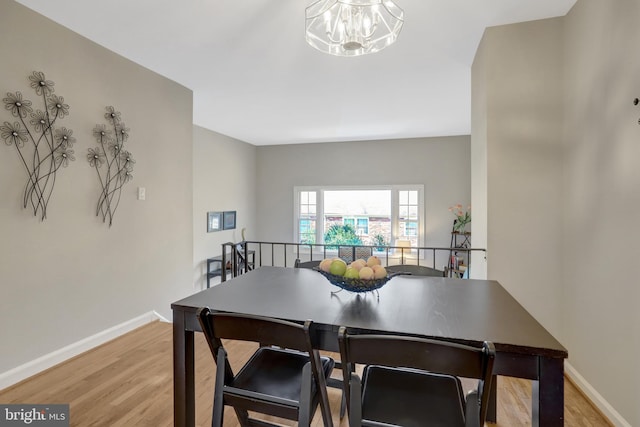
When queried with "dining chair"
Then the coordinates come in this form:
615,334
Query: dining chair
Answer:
413,382
287,381
351,253
305,264
331,382
416,270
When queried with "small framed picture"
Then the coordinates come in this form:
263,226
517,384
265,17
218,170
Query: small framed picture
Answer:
214,221
229,221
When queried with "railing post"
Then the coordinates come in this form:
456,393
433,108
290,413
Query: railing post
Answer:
223,267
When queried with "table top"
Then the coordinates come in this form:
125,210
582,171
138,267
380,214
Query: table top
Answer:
459,310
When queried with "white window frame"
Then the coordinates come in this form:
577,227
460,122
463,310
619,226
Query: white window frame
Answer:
395,210
297,215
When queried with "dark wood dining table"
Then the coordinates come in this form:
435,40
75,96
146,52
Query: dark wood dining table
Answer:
457,310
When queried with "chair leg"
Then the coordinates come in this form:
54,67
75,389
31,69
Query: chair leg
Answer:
321,384
304,410
217,414
343,404
348,369
243,417
355,402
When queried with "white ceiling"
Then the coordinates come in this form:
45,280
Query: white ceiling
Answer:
254,77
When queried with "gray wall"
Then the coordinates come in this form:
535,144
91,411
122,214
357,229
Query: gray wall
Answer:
71,276
441,164
479,159
602,199
521,73
224,178
554,112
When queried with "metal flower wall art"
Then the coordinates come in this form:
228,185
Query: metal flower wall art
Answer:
42,146
112,162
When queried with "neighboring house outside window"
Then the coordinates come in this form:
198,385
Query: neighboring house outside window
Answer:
361,225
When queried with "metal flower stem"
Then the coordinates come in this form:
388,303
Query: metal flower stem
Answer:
43,163
104,201
38,162
106,198
101,208
33,184
118,170
116,158
50,143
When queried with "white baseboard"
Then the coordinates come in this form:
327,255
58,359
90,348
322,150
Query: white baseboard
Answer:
33,367
595,397
160,317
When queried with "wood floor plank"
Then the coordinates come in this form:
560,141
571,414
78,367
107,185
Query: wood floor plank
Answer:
129,382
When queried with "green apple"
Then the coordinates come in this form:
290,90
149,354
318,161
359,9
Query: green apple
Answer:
338,267
352,273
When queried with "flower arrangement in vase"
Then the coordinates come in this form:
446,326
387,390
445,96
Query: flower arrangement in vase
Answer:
462,218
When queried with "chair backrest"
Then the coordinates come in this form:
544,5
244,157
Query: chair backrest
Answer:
240,327
428,355
416,270
306,264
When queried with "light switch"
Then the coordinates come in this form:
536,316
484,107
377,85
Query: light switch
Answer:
142,193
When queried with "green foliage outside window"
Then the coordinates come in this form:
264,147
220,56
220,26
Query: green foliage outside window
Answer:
308,239
379,242
341,235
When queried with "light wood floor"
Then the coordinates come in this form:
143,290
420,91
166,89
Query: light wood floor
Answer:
128,382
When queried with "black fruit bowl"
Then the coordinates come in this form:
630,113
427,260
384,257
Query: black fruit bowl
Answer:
355,285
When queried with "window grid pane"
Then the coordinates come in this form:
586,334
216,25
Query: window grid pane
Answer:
413,212
408,216
307,222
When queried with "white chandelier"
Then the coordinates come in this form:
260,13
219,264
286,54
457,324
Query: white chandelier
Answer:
352,27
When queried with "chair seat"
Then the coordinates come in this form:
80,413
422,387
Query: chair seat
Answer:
276,372
411,398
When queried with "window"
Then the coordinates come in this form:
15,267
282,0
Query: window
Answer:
307,217
367,215
408,208
362,226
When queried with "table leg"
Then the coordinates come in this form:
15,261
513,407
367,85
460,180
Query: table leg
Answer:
548,393
493,401
183,373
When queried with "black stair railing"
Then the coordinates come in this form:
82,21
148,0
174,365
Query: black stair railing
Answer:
247,255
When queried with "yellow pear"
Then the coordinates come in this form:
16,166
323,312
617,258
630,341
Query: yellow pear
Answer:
373,260
366,273
379,272
358,264
325,264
